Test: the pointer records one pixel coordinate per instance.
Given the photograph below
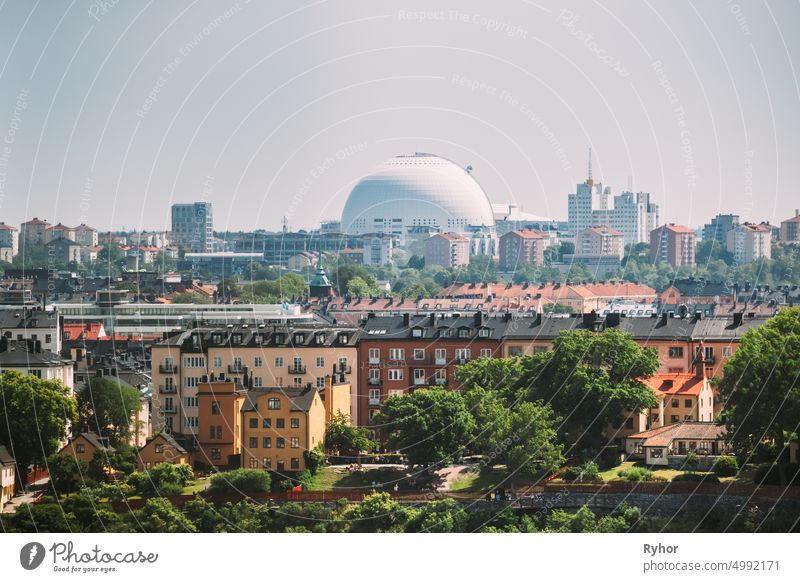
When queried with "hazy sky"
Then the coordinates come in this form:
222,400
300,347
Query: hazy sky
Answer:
110,111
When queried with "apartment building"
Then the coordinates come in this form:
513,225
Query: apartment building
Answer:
719,226
32,232
32,324
193,226
63,250
8,476
750,242
267,355
790,229
27,357
86,236
449,250
219,438
522,247
673,244
280,424
59,231
399,353
9,239
599,241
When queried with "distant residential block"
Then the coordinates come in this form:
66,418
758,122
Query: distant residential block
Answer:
750,242
522,247
449,250
790,229
673,244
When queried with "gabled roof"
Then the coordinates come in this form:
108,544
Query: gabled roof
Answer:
663,436
5,457
93,439
170,440
675,384
301,398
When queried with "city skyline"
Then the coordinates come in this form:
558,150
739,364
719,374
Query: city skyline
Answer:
113,116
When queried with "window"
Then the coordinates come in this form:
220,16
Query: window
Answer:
395,374
395,393
320,382
48,338
279,362
274,404
219,431
486,353
676,352
464,332
656,453
726,351
217,361
675,403
267,423
419,354
295,442
320,362
215,408
709,353
159,449
462,354
673,418
539,350
483,332
253,462
80,447
253,442
374,396
374,356
267,463
190,401
515,351
280,443
216,455
419,376
295,464
211,431
299,338
253,423
397,354
441,356
280,423
266,442
320,339
258,381
294,423
192,421
236,339
258,362
416,332
687,403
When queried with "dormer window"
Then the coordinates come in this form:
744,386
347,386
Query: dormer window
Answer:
299,338
416,332
278,338
463,332
236,339
216,338
483,332
257,338
320,338
343,338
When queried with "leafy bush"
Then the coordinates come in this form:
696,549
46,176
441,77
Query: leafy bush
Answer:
315,459
696,477
770,474
726,466
245,480
636,474
162,479
588,471
691,462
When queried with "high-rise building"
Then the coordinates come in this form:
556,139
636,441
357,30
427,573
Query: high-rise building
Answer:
790,229
522,247
599,241
673,244
448,250
86,236
32,233
9,239
719,226
193,226
378,248
750,242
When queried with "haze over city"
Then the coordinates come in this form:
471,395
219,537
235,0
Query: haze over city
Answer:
111,112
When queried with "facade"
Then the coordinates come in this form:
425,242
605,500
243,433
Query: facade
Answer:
280,424
718,228
448,250
673,244
377,249
162,448
9,239
270,355
399,353
86,236
32,324
790,229
193,226
59,231
83,446
600,241
669,445
8,476
28,358
32,233
749,242
633,215
63,250
522,247
219,438
421,190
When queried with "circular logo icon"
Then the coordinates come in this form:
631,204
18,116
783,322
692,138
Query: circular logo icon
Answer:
31,555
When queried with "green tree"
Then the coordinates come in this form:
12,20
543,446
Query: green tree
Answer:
439,516
501,375
108,407
241,480
33,418
533,447
343,438
591,380
492,420
378,512
358,287
315,459
430,425
416,262
66,472
760,387
159,516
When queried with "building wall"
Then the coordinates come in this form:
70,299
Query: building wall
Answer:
9,238
670,246
446,252
7,478
219,430
78,448
159,450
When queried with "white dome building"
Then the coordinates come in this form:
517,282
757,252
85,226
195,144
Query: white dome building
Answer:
417,193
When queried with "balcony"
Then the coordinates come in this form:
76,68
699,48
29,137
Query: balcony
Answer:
168,369
420,381
440,361
441,381
235,368
374,401
297,369
167,389
709,359
374,361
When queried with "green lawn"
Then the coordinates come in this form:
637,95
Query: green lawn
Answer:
613,473
196,486
478,481
332,478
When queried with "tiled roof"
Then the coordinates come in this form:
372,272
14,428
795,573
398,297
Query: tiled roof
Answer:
663,436
671,384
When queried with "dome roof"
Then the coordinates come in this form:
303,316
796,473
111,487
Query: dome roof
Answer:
416,191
